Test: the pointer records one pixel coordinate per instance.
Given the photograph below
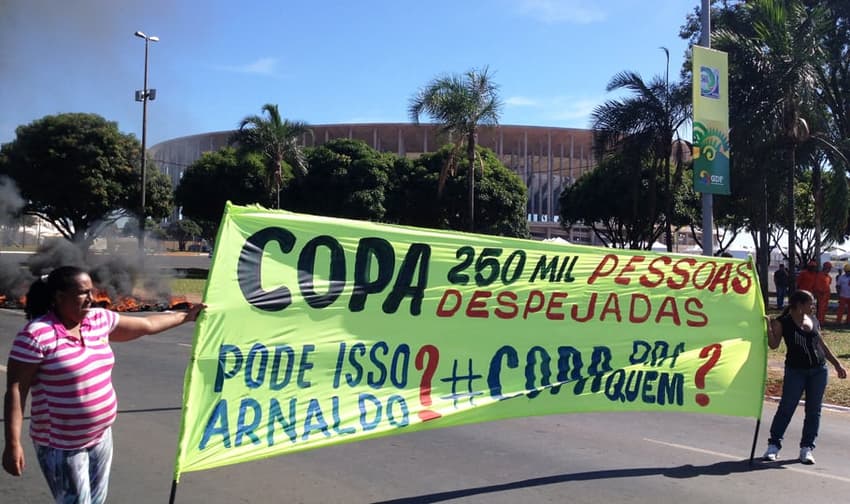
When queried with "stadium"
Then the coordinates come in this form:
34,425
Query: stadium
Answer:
546,159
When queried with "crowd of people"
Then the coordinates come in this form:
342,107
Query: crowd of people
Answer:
820,283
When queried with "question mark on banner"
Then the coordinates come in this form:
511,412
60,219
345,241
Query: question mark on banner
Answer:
699,380
425,384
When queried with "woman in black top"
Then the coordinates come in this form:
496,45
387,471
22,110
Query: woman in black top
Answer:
805,370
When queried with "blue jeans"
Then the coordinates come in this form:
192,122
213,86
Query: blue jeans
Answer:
780,296
813,382
78,476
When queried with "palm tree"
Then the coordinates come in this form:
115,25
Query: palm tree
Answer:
642,127
459,104
781,41
277,140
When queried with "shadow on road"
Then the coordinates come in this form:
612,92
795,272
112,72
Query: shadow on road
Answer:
680,472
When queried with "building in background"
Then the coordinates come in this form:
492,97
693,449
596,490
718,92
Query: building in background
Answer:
546,159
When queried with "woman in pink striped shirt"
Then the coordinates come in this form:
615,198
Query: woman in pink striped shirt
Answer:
63,358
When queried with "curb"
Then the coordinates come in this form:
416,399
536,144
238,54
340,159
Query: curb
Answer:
830,407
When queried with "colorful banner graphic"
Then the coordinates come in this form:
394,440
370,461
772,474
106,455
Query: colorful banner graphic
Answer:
322,331
711,121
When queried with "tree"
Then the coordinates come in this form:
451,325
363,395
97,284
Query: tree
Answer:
216,178
834,91
460,104
79,172
642,127
757,192
277,140
780,42
159,194
605,200
501,198
347,178
183,230
731,214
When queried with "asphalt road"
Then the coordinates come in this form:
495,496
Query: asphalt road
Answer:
181,260
581,458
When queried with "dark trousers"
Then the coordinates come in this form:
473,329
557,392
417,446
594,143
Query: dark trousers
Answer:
781,292
813,383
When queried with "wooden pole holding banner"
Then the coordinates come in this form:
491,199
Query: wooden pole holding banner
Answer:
755,440
173,492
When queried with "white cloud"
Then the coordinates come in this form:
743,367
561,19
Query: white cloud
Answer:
520,101
262,66
562,11
569,111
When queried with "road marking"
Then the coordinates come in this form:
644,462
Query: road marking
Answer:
2,368
734,457
692,448
184,344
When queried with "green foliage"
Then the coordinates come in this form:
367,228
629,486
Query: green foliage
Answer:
216,178
640,129
778,84
157,233
159,195
605,200
501,197
731,213
183,230
79,172
836,217
276,139
460,104
347,178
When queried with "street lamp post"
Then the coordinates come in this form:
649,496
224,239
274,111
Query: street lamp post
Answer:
143,96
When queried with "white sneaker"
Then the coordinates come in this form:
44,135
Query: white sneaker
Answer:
806,455
772,452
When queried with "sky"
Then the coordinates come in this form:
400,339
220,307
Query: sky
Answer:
322,62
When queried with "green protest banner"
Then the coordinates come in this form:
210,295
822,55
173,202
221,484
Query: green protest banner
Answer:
322,331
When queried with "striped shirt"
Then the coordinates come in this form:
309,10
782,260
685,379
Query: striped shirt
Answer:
73,401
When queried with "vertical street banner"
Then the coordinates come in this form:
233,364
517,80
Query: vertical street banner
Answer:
320,331
711,121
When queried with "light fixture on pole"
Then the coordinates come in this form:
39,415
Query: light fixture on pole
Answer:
143,96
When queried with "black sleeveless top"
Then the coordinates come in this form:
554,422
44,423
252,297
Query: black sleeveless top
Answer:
803,347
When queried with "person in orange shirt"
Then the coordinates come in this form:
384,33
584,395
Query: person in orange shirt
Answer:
806,278
822,290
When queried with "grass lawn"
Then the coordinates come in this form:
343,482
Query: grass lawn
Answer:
192,288
838,339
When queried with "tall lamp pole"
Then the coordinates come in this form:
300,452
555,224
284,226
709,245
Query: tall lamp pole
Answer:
143,96
707,198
